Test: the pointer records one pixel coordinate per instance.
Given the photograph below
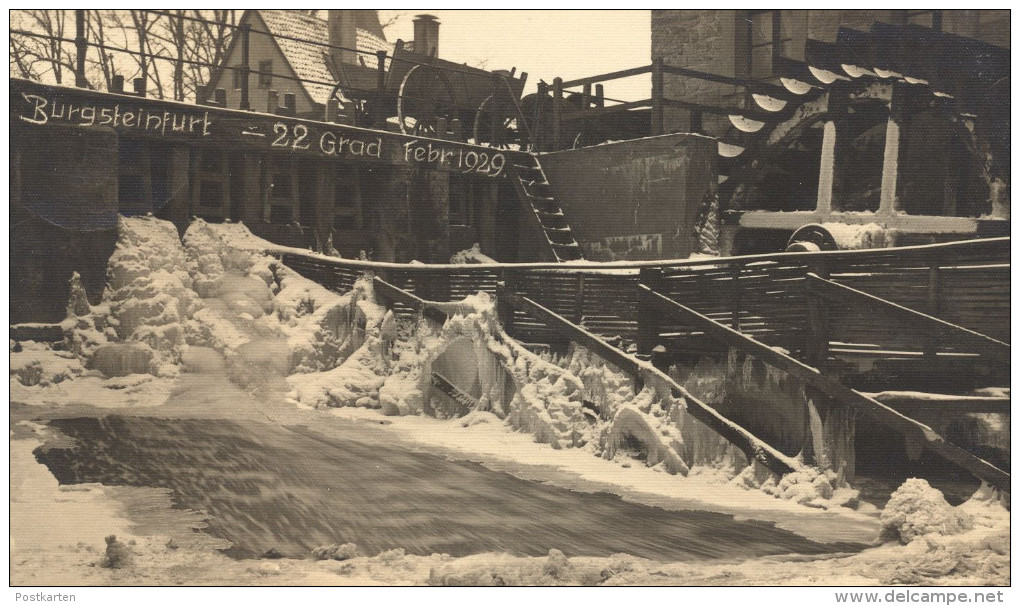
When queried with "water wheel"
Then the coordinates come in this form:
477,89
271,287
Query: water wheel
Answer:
425,96
498,122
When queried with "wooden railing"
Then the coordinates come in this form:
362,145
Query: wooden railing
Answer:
883,414
590,102
763,296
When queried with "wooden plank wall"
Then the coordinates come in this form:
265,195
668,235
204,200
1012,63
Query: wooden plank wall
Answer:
763,296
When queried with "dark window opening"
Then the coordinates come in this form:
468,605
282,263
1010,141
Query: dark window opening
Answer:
130,152
462,201
210,194
159,159
266,73
132,195
211,162
280,214
237,78
237,181
308,193
763,43
281,187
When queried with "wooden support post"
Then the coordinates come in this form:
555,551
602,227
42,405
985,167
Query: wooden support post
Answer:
600,95
579,300
890,161
272,101
117,85
736,296
504,305
827,168
380,73
586,96
81,46
817,353
817,347
658,90
245,70
934,308
221,97
536,131
557,110
457,130
140,87
648,315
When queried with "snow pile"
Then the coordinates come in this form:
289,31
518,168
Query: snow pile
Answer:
855,237
38,364
656,442
228,265
916,509
471,255
142,324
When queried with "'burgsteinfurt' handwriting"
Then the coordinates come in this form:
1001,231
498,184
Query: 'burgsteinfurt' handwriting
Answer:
42,110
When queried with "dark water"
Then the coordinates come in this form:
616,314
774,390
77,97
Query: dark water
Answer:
266,486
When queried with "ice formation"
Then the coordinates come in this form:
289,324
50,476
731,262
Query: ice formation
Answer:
916,509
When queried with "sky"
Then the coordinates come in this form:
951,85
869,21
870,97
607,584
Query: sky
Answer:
546,44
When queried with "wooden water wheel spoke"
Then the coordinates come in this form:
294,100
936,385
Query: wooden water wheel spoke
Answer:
425,96
497,123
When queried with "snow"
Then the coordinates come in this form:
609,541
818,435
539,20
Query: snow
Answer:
854,237
471,255
916,509
574,420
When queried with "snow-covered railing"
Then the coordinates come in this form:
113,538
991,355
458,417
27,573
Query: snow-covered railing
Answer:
764,296
912,429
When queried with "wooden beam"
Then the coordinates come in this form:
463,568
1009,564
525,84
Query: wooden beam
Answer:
623,73
908,402
880,412
429,309
444,385
604,110
840,293
754,448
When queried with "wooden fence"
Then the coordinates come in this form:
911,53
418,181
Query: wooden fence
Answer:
763,296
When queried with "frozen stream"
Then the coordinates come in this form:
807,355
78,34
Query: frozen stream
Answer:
269,480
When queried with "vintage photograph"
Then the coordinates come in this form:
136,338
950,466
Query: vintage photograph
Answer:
338,297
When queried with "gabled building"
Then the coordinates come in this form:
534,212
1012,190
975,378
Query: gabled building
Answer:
283,65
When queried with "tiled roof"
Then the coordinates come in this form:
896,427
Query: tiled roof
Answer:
309,60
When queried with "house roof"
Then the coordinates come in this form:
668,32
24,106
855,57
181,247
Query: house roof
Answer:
309,61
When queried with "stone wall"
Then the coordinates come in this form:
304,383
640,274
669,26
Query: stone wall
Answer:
703,40
63,210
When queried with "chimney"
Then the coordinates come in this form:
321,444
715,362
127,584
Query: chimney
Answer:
343,31
426,35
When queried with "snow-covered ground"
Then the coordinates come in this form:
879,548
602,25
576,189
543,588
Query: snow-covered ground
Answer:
572,421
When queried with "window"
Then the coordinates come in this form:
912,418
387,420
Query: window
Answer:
211,185
764,39
282,195
133,178
924,18
266,73
237,78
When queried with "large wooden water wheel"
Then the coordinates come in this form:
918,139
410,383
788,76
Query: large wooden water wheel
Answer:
425,97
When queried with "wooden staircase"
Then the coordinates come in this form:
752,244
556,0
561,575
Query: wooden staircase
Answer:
533,186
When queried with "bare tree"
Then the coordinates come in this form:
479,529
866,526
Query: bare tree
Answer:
99,58
48,54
